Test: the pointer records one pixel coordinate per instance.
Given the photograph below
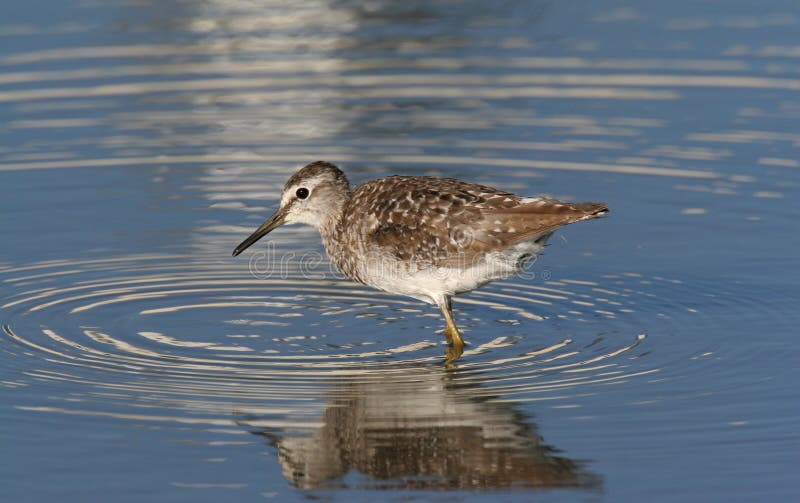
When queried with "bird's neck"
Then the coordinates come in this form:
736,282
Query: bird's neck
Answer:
330,229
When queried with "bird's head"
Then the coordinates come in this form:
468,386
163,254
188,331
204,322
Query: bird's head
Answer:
312,196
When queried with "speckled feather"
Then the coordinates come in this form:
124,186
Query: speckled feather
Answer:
434,222
444,221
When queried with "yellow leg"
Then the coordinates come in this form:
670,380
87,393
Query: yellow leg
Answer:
455,344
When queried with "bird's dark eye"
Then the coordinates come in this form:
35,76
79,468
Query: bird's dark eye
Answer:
302,193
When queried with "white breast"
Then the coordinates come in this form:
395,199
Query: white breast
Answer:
432,283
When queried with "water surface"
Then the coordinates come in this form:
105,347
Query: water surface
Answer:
647,356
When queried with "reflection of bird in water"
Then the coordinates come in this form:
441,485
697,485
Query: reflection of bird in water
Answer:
425,237
420,430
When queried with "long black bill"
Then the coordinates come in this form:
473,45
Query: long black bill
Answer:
272,222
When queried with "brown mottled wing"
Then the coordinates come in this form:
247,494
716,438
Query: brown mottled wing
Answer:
530,218
443,221
537,216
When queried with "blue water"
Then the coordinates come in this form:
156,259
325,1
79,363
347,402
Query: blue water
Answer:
648,356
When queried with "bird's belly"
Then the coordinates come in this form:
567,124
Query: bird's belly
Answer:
431,283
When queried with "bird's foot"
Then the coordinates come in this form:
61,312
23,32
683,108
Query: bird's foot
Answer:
455,344
453,352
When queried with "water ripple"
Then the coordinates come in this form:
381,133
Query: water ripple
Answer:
157,323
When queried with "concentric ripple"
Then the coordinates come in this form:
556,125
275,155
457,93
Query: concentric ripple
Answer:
161,331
